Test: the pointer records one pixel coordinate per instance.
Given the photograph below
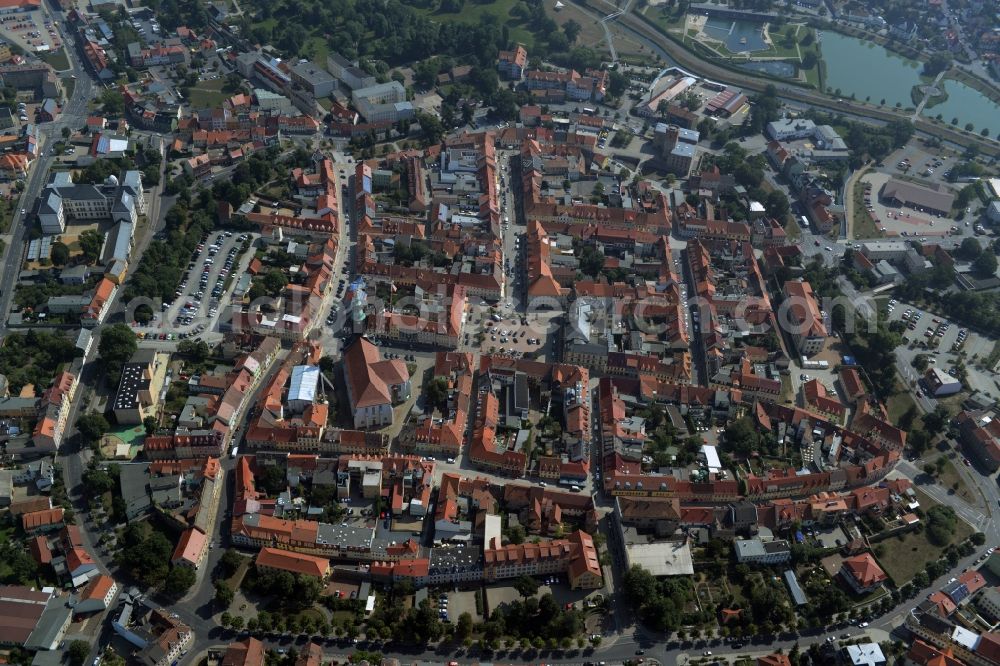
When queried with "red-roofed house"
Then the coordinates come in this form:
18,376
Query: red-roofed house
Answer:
773,660
862,573
373,385
274,559
923,654
97,596
190,549
248,652
801,312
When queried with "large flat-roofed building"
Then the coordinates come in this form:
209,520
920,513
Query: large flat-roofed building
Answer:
63,200
661,558
315,79
383,101
139,389
302,387
348,73
941,383
929,199
789,129
755,551
887,250
35,620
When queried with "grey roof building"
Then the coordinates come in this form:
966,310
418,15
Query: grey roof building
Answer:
134,480
63,200
318,81
798,596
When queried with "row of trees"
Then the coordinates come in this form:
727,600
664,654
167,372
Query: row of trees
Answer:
145,555
659,603
193,215
34,358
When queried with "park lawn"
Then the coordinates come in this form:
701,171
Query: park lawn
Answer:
663,18
792,229
949,477
316,49
471,11
812,75
898,404
862,226
313,614
208,94
907,556
341,617
57,59
236,580
6,214
795,51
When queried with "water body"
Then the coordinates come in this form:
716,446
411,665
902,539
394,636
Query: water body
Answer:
772,67
738,36
969,106
867,70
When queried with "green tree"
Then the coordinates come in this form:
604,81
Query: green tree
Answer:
526,586
78,652
150,424
59,253
112,101
941,524
572,30
178,582
274,281
117,346
591,260
985,265
92,426
90,243
969,249
463,628
223,593
516,534
230,562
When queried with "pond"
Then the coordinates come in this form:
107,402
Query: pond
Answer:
867,70
738,36
969,106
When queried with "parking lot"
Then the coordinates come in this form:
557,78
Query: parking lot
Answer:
32,31
896,220
944,344
203,290
145,23
916,162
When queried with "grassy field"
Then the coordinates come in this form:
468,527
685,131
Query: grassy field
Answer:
912,552
792,228
57,59
208,94
664,18
899,403
236,580
6,214
949,477
316,49
501,9
862,226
